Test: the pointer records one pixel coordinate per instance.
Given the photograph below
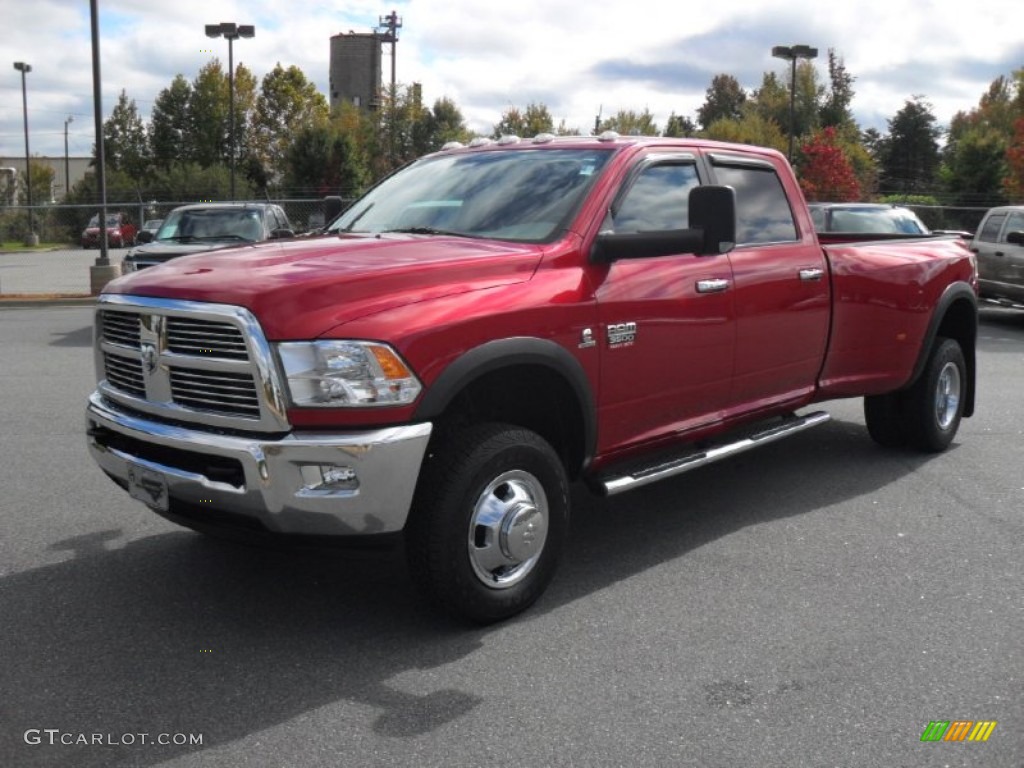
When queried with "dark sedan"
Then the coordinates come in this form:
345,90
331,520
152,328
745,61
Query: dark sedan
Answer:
206,226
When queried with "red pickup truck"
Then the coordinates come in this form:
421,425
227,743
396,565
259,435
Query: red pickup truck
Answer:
496,321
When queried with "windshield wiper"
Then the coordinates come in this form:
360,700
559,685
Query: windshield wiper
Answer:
425,231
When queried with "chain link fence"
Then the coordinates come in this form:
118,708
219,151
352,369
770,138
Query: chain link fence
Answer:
62,225
62,267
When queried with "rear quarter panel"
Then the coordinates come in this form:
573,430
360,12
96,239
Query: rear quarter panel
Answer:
884,297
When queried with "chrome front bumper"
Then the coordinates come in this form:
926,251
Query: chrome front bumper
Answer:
275,479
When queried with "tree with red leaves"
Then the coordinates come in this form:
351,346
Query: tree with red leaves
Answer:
1013,184
826,172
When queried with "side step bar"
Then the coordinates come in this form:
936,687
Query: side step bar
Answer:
613,485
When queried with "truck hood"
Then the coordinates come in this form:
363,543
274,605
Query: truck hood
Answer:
301,289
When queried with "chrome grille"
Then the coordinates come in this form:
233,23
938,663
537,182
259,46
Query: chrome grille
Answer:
232,394
185,361
120,328
191,336
125,373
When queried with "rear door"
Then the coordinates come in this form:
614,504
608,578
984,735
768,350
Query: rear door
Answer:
781,288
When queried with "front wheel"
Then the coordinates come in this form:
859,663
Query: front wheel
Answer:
489,521
932,408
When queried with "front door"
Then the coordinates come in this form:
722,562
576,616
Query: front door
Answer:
667,329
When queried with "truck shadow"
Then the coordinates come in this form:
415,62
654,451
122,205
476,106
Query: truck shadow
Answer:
176,633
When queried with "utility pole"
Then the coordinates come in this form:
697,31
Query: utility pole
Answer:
392,24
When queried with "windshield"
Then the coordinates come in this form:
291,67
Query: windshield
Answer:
183,225
875,221
522,195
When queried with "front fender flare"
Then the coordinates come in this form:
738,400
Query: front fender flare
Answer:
504,353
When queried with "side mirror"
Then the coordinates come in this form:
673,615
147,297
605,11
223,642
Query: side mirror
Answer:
713,210
281,234
1015,237
712,231
144,236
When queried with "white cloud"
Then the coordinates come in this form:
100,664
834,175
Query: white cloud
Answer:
575,57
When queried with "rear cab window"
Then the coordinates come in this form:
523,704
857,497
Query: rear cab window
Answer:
763,213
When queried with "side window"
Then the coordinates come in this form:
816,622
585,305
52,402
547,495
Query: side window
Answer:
990,230
763,214
657,200
1014,223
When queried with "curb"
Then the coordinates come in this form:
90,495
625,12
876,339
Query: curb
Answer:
25,302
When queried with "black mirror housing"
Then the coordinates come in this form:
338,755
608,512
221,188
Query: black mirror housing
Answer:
712,231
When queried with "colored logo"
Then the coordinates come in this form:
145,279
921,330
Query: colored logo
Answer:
958,730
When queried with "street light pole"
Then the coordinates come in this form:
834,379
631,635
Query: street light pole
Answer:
791,53
67,164
231,32
24,68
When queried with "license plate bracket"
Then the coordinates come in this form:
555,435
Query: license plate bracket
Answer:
149,487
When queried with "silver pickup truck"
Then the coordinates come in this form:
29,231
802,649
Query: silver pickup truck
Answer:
999,245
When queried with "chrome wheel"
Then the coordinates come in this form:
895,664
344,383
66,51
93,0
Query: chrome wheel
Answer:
508,529
947,396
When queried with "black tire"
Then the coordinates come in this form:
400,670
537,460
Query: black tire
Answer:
489,521
884,417
932,408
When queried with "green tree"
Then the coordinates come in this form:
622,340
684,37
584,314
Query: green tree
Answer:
438,126
771,100
910,161
723,100
324,160
170,127
679,126
974,170
750,128
534,120
835,108
287,104
208,115
628,122
125,141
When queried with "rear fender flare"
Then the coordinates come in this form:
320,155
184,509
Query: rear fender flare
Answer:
955,292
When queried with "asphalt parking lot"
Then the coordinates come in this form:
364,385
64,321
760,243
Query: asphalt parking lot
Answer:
817,603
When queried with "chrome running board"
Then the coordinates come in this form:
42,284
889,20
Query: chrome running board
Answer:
641,476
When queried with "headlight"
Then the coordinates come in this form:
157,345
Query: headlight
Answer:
346,374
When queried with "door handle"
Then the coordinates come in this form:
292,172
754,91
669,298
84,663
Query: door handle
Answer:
712,285
812,274
1000,253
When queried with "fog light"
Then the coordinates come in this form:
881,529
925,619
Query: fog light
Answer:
329,478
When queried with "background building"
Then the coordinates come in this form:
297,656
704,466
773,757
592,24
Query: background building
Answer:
77,168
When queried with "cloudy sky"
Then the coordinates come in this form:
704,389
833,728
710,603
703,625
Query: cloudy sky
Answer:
577,57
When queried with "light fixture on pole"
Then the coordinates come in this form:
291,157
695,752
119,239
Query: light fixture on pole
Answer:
231,32
32,238
791,53
67,165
